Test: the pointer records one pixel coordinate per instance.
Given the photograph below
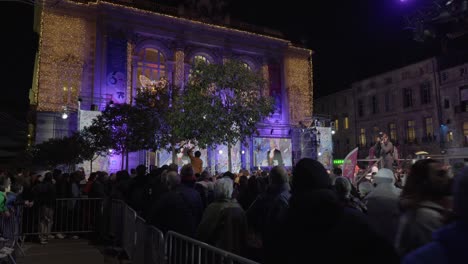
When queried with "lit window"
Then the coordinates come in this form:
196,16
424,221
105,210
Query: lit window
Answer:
362,137
410,131
393,131
201,58
450,136
346,122
151,63
465,132
336,124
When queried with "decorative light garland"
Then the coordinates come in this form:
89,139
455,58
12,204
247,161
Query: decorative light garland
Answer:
63,42
299,84
179,67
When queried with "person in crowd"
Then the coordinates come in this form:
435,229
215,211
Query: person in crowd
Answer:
224,224
99,189
44,197
248,194
121,185
267,213
180,208
365,187
205,187
89,184
382,205
196,161
316,215
139,191
10,225
133,173
449,243
424,204
337,172
343,190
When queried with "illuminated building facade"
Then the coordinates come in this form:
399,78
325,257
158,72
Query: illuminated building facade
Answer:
95,51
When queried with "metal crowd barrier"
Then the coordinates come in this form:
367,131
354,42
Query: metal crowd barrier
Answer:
142,243
181,249
64,216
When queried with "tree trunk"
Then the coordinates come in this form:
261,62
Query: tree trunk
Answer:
126,160
229,158
123,159
174,154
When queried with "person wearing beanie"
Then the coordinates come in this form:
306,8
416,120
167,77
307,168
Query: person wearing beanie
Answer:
316,215
449,243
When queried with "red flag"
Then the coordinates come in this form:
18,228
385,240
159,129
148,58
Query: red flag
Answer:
350,163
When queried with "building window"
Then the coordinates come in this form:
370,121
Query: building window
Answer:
465,132
375,107
360,108
362,137
336,124
446,103
464,98
346,123
206,60
444,76
428,127
426,93
410,131
405,75
151,64
450,136
393,131
387,101
407,97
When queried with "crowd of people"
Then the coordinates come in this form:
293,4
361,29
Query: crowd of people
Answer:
278,216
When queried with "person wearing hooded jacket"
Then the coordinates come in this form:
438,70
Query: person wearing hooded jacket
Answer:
382,205
450,243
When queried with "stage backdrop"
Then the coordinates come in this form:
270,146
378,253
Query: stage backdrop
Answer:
262,147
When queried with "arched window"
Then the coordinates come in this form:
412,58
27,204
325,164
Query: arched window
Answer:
200,57
151,64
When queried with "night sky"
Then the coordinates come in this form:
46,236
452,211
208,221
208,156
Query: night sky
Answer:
351,40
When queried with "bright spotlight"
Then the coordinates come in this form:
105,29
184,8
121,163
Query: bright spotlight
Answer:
243,152
220,152
320,154
64,115
333,132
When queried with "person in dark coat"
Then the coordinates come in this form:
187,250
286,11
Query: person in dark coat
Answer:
139,192
224,224
449,243
267,213
44,198
179,209
315,215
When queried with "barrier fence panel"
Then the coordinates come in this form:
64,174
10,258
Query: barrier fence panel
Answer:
117,212
141,236
64,216
129,228
155,246
181,249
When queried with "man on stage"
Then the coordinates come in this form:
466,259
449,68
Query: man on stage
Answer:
274,156
386,152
